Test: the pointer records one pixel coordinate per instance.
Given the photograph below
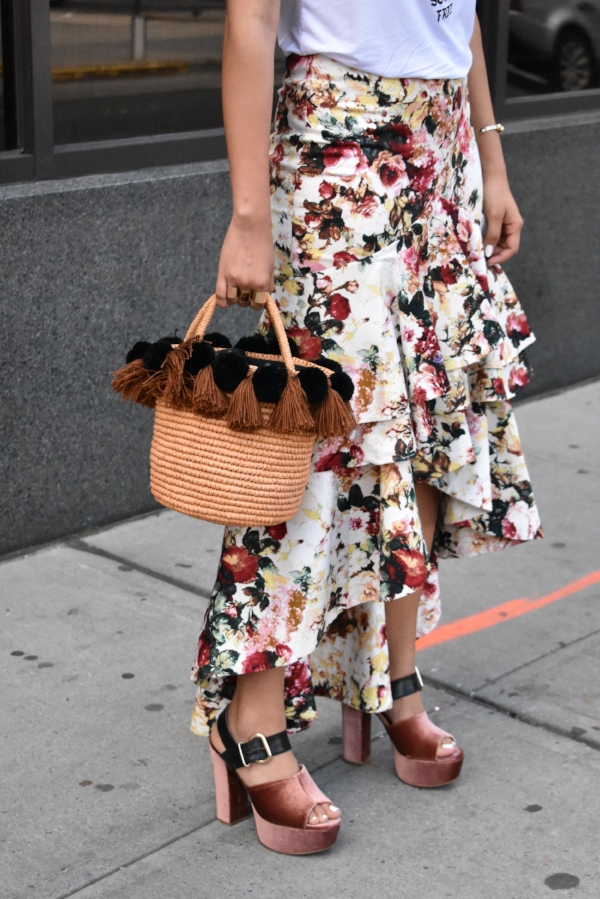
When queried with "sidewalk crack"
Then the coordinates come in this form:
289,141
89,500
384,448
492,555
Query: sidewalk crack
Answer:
492,704
80,545
175,839
133,861
544,655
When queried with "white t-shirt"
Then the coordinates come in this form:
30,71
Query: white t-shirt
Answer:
393,38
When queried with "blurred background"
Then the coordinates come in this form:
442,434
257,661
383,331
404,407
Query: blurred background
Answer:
114,199
126,69
554,45
132,68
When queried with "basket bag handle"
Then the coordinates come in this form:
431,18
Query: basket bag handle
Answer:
198,329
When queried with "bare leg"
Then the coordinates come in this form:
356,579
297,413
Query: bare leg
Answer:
401,621
257,707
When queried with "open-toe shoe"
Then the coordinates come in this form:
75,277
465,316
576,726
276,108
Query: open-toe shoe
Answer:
416,741
282,808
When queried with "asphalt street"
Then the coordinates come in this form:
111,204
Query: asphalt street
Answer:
95,98
107,794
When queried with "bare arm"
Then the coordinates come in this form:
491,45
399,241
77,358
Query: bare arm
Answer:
501,211
247,257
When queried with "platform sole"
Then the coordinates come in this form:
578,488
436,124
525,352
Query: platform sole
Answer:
296,841
421,773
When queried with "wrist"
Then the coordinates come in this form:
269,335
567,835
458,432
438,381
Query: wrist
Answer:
251,216
495,173
491,155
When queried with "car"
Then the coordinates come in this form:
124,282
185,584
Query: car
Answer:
558,39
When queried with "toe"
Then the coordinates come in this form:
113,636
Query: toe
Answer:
446,747
323,813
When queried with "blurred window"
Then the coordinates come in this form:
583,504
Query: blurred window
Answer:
4,96
111,85
8,124
554,46
134,68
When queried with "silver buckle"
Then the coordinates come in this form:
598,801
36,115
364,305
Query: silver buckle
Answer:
419,678
266,747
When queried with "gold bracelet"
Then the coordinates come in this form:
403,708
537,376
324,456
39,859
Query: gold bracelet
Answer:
499,128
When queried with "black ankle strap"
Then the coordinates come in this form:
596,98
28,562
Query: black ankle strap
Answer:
406,686
258,749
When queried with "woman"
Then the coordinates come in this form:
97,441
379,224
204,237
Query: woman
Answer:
373,202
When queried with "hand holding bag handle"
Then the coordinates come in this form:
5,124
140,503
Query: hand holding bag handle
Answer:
198,328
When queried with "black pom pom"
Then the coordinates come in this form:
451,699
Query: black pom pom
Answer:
156,354
331,364
229,370
274,346
218,340
172,339
269,382
342,383
202,355
314,384
256,343
137,351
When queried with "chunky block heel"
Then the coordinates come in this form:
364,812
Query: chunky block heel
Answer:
415,740
357,735
233,804
282,808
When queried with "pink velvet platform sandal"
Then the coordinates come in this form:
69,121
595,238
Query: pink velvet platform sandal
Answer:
415,740
281,808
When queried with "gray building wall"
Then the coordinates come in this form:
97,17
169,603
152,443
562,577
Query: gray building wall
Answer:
89,265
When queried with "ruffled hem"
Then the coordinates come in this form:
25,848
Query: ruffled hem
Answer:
442,378
377,226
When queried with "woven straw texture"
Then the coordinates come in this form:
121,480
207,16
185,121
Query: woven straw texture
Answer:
200,467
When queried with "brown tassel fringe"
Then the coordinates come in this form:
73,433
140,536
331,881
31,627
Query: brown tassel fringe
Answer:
155,384
207,398
131,381
333,417
179,386
291,414
244,409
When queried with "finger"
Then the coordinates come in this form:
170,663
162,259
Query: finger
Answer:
500,256
221,291
232,294
270,290
259,305
492,237
508,245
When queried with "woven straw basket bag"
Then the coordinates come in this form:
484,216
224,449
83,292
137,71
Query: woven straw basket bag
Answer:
234,428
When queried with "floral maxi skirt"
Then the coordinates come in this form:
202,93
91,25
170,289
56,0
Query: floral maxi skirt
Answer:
377,210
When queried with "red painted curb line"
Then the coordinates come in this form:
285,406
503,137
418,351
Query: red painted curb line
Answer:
498,614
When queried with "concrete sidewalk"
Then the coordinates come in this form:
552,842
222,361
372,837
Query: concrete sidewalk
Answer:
106,793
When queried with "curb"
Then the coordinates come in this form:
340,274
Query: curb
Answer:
117,70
